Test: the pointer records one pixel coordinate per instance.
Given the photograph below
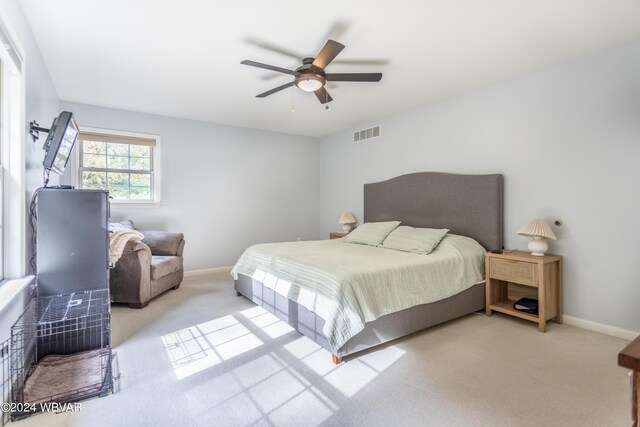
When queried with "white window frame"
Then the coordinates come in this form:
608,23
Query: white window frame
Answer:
12,153
156,175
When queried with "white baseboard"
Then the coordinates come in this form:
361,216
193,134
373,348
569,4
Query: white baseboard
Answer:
599,327
192,273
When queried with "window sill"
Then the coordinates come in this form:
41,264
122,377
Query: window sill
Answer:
10,289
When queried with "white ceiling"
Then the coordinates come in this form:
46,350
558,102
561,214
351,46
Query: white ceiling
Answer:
182,58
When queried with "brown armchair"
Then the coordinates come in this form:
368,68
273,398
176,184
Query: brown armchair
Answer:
148,268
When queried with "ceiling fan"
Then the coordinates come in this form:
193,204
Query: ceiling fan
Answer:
311,77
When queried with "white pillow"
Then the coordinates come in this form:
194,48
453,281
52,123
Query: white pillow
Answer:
415,240
371,233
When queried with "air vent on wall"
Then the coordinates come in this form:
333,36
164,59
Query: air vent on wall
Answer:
361,135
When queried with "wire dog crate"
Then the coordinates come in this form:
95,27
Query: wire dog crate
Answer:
61,351
5,382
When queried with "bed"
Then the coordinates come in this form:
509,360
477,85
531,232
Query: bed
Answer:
468,205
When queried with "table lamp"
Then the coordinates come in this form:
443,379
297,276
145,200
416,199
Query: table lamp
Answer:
346,219
540,231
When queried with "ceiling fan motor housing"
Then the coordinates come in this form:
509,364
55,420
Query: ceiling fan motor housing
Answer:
309,81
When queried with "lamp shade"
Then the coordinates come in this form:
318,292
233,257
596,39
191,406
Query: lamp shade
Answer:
347,218
539,228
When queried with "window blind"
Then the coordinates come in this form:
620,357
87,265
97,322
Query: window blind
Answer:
116,139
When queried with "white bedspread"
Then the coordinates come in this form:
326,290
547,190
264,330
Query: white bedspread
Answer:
348,284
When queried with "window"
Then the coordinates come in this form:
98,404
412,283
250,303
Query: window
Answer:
126,164
12,155
2,161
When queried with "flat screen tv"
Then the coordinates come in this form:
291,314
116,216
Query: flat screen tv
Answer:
59,143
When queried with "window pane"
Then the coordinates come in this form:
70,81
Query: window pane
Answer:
118,192
94,147
94,179
117,149
140,180
94,161
140,164
141,193
140,151
118,179
117,162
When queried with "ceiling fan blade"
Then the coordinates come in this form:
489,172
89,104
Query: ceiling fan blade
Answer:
274,48
269,76
268,67
274,90
323,95
330,50
353,77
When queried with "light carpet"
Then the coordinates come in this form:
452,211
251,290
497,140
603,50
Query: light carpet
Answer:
202,356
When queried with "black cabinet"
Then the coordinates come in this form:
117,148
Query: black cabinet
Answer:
72,241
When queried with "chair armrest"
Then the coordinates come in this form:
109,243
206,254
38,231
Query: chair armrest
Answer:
163,242
130,280
138,246
135,249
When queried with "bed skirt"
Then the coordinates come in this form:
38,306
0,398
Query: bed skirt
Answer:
381,330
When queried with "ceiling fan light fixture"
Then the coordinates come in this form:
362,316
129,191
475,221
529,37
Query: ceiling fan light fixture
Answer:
310,82
311,75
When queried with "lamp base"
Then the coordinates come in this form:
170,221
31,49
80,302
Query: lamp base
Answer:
346,228
538,246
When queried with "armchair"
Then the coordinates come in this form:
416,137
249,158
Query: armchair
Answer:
147,268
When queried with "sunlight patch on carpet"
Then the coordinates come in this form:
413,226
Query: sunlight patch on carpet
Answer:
279,383
202,346
282,393
349,377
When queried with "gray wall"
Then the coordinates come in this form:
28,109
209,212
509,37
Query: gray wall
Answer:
567,140
41,104
224,187
41,99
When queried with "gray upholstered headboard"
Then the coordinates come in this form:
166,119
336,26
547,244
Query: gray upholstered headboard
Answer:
469,205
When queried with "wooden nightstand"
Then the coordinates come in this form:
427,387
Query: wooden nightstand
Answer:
337,235
514,275
629,357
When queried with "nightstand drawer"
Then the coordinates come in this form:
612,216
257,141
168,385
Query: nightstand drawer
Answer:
514,271
513,275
